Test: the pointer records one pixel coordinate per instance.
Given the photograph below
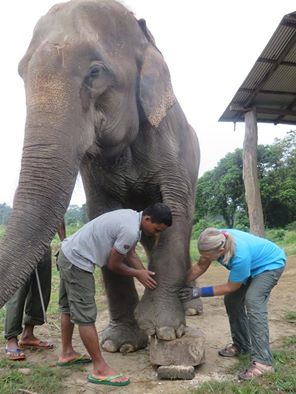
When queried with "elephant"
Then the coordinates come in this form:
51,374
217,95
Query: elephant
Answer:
100,101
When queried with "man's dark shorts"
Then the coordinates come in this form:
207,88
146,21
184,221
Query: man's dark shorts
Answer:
77,292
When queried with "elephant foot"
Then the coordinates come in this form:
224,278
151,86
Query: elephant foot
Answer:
193,307
123,338
163,318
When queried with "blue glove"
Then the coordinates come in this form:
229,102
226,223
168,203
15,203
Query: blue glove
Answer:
189,293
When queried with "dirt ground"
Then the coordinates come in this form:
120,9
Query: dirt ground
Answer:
214,324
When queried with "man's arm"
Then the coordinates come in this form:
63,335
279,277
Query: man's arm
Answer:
116,264
133,259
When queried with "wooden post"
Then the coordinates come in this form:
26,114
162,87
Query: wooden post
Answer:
252,190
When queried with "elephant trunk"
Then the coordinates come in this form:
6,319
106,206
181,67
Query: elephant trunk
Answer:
48,173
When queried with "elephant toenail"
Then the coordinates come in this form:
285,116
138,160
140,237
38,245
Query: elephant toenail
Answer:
127,348
166,333
109,346
180,331
150,331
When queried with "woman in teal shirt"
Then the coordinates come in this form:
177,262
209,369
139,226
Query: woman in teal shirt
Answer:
255,266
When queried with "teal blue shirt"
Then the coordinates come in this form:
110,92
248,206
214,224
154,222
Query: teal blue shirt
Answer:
253,255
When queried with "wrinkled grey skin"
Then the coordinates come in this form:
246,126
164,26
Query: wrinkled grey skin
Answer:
99,100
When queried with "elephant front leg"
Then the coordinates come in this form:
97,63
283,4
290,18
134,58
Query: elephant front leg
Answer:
123,333
160,311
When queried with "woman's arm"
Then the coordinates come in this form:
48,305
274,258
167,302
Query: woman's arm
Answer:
191,292
226,288
197,270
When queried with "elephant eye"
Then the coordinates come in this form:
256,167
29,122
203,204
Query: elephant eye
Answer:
94,72
98,76
95,69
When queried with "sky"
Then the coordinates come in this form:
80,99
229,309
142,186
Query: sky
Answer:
209,45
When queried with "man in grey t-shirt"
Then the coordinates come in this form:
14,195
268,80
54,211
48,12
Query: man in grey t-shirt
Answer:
108,240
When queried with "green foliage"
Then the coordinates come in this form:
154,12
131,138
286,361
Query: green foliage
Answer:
276,235
285,239
2,317
291,226
277,176
2,230
5,211
193,250
221,191
202,224
76,216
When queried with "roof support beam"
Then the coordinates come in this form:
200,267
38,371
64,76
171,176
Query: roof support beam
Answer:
264,110
274,61
265,91
252,190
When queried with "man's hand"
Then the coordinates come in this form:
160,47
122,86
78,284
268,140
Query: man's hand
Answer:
189,293
145,277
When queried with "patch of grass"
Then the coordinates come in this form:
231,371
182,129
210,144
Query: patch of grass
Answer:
282,381
289,341
142,254
2,230
41,379
5,363
241,365
2,320
290,316
290,250
286,239
193,250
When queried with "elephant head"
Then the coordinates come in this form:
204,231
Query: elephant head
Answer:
92,74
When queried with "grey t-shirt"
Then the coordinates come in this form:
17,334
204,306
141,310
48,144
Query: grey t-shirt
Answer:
92,244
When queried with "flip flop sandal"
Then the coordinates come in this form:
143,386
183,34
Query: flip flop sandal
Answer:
36,345
75,361
109,380
255,371
15,354
230,350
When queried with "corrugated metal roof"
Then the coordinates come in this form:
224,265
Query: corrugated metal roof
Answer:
271,84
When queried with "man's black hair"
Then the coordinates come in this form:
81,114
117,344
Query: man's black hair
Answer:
159,213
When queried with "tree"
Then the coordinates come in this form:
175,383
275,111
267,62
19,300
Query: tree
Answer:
221,191
76,216
278,181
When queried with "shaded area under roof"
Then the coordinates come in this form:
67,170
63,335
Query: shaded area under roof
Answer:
270,86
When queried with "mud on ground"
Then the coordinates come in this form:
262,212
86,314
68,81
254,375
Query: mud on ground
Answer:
213,322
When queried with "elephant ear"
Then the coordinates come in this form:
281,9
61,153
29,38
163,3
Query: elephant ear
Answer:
155,88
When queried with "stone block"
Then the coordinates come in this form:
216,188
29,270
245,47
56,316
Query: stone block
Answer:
176,372
189,350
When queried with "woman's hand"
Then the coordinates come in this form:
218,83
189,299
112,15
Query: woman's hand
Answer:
189,293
